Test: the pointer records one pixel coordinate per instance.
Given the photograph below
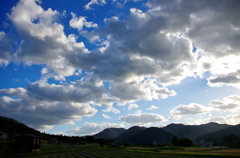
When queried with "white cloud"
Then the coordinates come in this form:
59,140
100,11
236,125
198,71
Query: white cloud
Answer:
94,2
106,116
80,22
59,133
142,118
152,107
131,106
91,128
191,109
228,103
138,112
136,90
217,119
229,119
233,119
42,127
188,118
111,109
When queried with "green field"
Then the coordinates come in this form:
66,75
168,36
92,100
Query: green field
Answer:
131,152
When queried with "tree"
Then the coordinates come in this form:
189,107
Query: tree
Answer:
230,140
175,140
11,130
185,142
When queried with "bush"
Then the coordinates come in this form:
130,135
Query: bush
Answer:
43,142
7,147
185,142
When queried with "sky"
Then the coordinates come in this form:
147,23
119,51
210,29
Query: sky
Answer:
77,67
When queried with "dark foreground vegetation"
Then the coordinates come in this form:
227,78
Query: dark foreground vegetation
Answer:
95,151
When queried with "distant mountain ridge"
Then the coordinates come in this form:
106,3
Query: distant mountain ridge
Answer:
155,135
136,135
218,135
129,133
194,131
110,133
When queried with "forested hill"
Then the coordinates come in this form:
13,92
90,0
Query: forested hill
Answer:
194,131
110,133
218,135
12,126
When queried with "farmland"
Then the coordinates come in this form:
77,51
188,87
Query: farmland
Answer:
134,152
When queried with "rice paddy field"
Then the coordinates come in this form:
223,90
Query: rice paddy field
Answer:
136,152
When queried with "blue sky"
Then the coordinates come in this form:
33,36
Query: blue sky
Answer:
77,67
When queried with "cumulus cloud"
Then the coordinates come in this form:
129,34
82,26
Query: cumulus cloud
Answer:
42,39
213,33
111,109
50,104
44,113
152,107
80,22
131,106
136,90
228,103
229,78
190,109
106,116
90,128
78,91
138,112
229,119
59,133
94,2
142,118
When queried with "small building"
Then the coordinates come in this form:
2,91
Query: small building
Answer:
54,141
3,136
27,143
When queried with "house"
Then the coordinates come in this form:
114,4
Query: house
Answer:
27,143
3,136
54,141
205,144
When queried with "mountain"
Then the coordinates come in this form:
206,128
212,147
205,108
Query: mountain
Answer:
152,135
129,133
218,135
11,126
193,131
110,133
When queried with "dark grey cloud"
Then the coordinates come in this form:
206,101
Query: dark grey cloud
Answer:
231,78
42,114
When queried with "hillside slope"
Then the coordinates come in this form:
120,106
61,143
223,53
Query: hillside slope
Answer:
110,133
152,135
218,135
11,126
194,131
129,133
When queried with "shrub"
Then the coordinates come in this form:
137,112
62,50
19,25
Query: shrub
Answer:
185,142
7,147
43,142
